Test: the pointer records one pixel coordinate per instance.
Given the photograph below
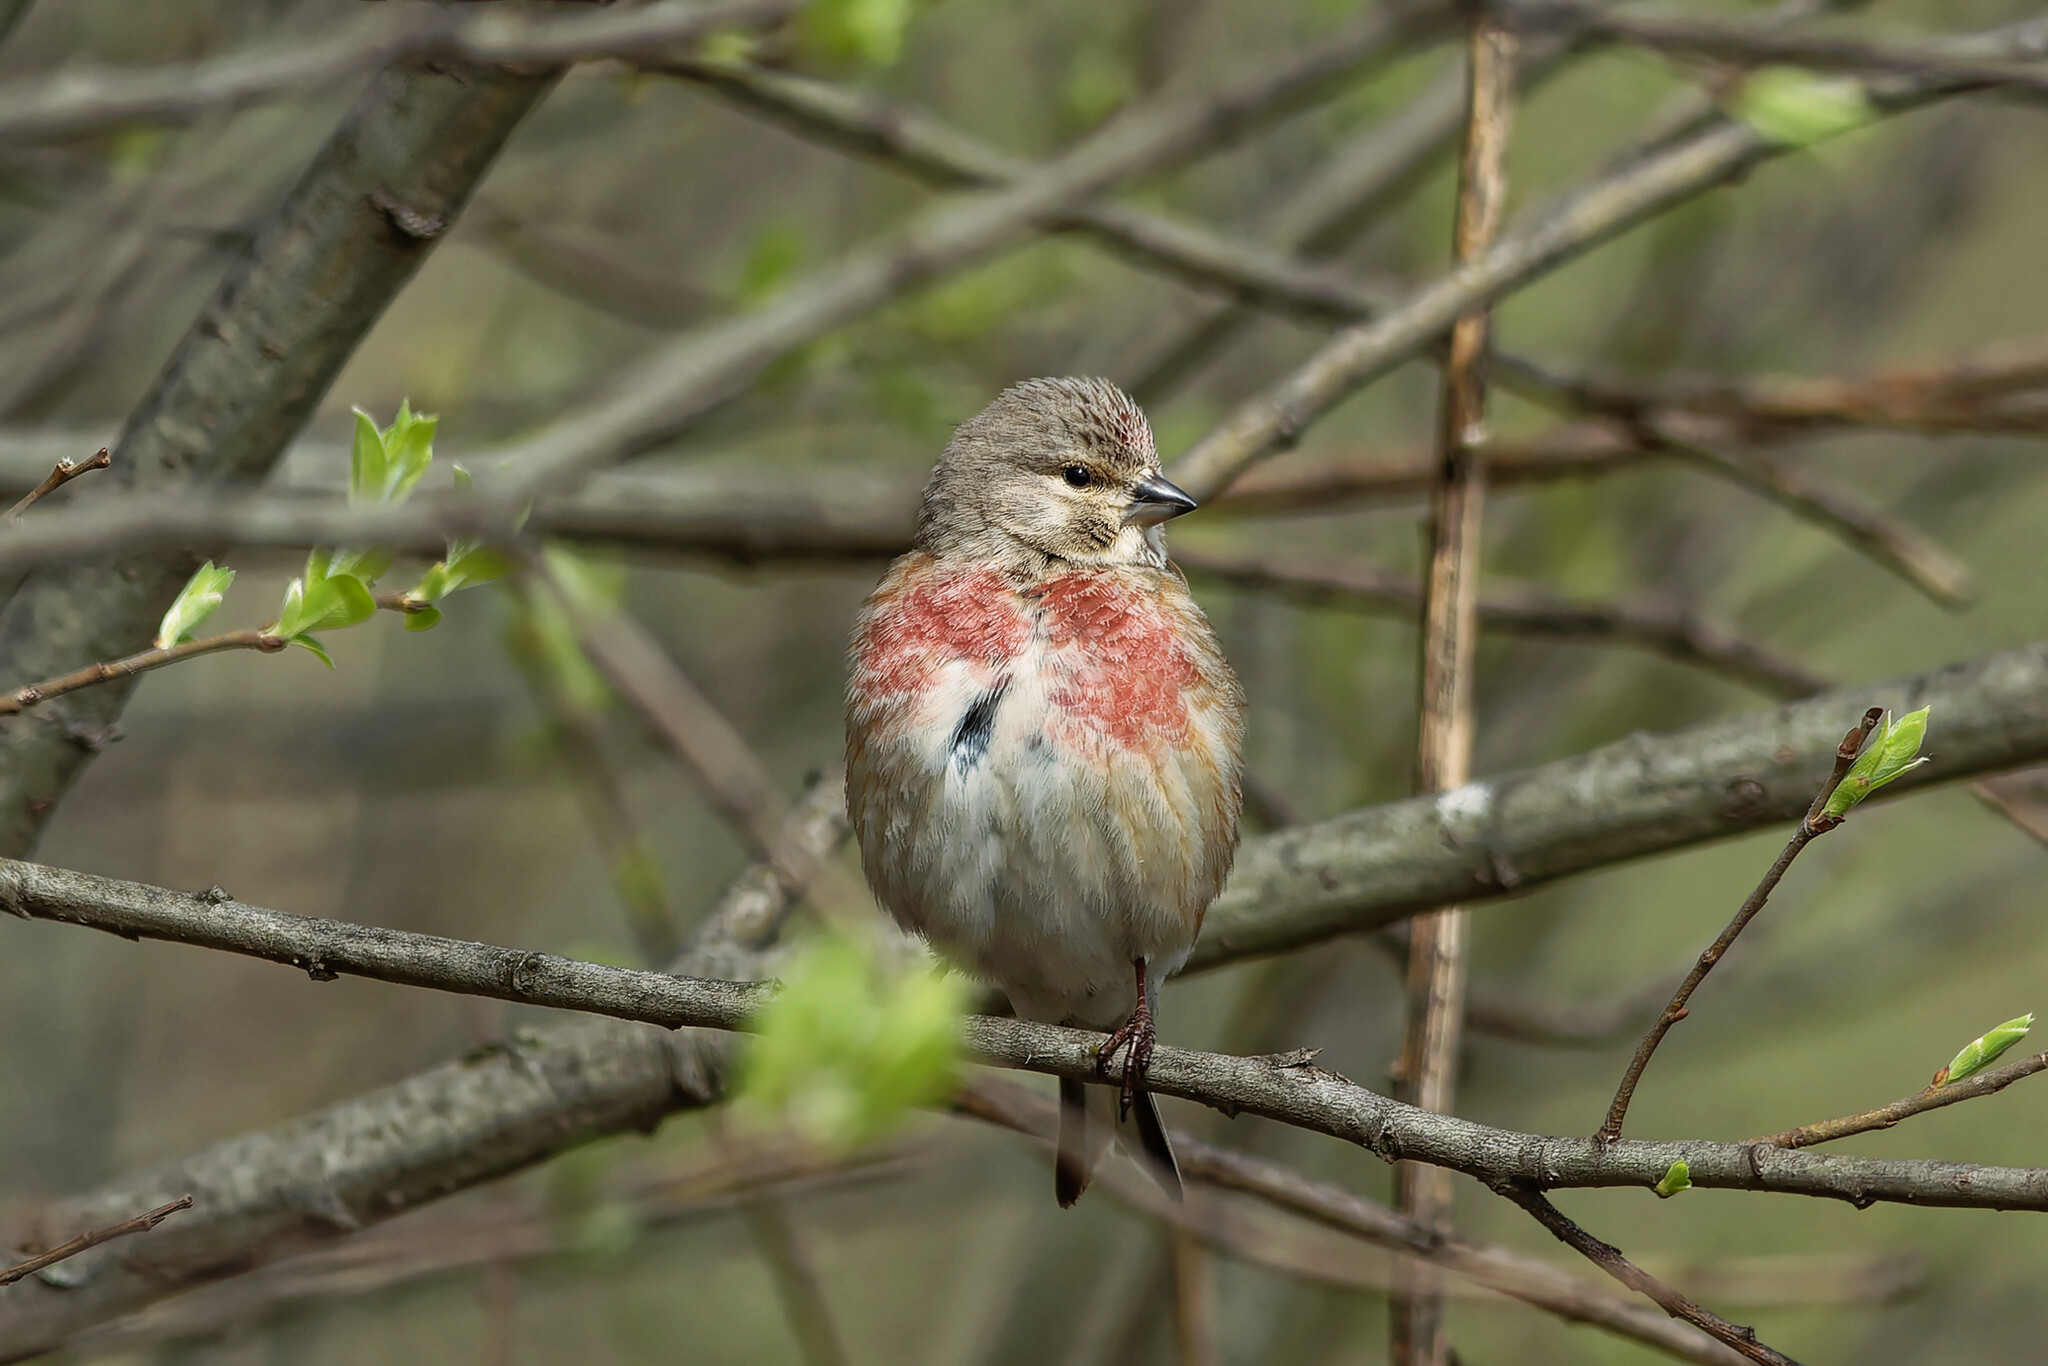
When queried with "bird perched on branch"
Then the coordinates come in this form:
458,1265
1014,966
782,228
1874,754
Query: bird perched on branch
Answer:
1044,739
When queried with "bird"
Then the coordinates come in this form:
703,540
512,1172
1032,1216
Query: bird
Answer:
1044,741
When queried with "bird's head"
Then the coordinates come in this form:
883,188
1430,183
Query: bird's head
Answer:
1055,468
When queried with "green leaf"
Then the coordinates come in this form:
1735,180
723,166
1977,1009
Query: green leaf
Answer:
194,604
868,31
1797,108
409,449
849,1046
1980,1053
367,464
385,465
328,604
543,638
1890,753
774,255
423,618
318,650
468,564
1677,1178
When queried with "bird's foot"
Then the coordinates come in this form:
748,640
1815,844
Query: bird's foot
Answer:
1134,1039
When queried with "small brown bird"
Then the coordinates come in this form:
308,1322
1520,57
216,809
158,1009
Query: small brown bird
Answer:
1044,740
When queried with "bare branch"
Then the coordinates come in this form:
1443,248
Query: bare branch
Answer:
1609,1259
1811,827
1638,796
63,473
1439,942
1332,1206
1934,1097
141,1223
257,361
1286,1088
679,383
1719,151
80,99
34,694
1940,57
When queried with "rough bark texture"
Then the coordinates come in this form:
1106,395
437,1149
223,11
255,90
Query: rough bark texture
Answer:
256,363
1642,795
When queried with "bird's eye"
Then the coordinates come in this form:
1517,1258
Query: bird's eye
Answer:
1077,476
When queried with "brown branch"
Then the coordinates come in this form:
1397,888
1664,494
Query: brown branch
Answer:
1934,1097
2003,795
254,638
1527,613
796,1280
1644,186
64,472
1688,435
1609,1259
1326,1205
1944,57
141,1223
1811,827
1438,946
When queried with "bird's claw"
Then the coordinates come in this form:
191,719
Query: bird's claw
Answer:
1134,1038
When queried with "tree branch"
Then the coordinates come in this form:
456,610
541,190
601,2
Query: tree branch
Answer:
1643,795
61,474
1286,1088
1609,1259
241,383
679,383
1811,827
1718,152
92,675
141,1223
264,1196
81,99
1439,942
1885,1116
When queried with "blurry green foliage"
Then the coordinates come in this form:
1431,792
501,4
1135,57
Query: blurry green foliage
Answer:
774,255
849,1045
1799,108
869,31
1981,1052
542,635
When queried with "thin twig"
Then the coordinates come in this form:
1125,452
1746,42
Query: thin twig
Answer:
796,1280
1811,827
1641,188
1437,946
1934,1097
80,99
1327,1205
141,1223
1944,57
256,638
64,472
1609,1259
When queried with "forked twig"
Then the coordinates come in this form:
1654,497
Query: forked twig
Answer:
1811,827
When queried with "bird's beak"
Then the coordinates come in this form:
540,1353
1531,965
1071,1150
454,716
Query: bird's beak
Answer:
1154,500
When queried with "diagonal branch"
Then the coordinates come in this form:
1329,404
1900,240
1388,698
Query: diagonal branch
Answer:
680,382
1609,1259
1811,827
141,1223
365,213
1932,1098
61,474
1718,152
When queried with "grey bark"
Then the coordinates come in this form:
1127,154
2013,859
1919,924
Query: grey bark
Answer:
255,364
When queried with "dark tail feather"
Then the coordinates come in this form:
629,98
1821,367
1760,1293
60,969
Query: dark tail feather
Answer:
1157,1149
1070,1169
